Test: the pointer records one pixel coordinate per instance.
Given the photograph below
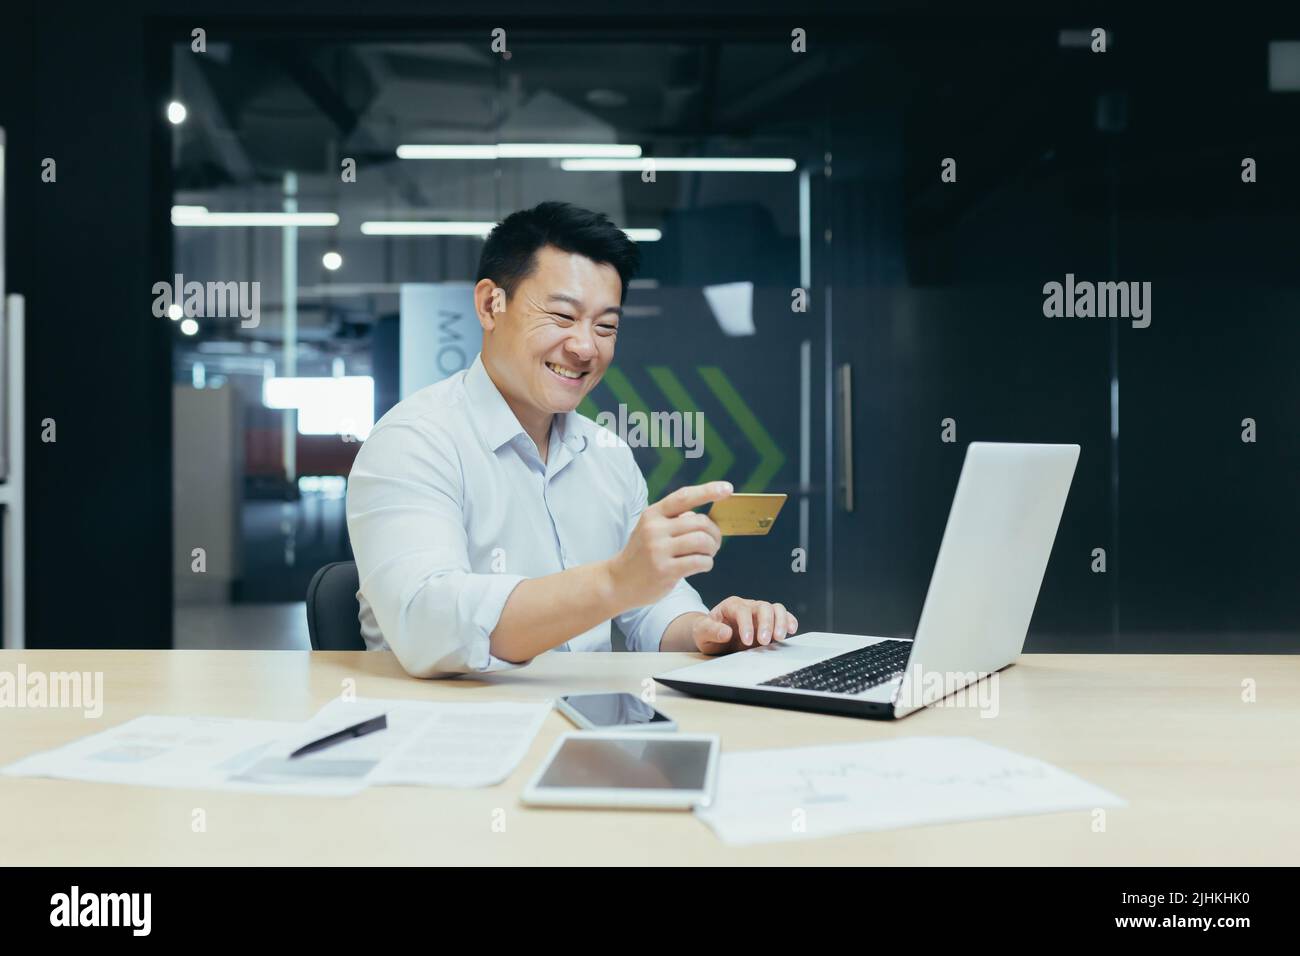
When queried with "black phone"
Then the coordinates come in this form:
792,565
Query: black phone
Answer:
613,711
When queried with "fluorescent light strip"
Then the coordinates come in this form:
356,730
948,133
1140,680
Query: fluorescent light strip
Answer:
191,216
479,229
682,164
383,228
564,150
519,151
411,151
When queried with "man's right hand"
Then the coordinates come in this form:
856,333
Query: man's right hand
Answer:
669,542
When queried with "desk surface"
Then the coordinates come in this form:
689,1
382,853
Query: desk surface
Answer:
1209,778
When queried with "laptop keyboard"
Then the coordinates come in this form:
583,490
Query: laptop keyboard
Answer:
850,673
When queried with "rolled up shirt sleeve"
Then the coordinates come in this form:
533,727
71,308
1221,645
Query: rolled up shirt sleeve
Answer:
405,513
644,626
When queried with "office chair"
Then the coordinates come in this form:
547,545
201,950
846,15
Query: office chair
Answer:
332,608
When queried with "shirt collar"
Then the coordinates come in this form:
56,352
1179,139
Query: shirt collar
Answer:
498,423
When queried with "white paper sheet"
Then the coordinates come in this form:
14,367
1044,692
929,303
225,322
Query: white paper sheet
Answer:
766,796
425,743
338,770
154,751
436,744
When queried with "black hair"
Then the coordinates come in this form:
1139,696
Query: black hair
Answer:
510,253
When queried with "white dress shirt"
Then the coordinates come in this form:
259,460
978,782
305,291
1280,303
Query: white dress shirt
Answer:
449,507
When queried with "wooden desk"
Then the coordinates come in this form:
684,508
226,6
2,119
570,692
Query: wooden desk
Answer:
1209,779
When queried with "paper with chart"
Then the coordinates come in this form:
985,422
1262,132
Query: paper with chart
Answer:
768,795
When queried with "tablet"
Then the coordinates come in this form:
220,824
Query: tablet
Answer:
622,769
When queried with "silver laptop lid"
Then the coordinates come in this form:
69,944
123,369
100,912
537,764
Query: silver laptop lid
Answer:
991,563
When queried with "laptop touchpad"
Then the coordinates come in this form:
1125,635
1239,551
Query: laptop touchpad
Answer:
757,664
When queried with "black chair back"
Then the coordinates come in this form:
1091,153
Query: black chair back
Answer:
332,608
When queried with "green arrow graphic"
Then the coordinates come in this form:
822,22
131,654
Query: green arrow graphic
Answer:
670,459
720,458
770,457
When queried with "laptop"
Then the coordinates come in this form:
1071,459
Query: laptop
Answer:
976,614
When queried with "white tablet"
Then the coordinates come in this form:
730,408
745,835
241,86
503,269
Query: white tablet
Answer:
627,769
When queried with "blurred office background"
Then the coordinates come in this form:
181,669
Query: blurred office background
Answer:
924,298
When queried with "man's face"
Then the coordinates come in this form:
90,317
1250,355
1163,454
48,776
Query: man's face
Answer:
556,336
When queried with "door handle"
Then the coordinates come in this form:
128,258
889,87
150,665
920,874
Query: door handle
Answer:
844,391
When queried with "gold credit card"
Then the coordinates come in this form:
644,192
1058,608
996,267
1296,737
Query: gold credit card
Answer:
746,514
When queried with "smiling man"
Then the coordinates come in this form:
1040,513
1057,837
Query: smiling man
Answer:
490,525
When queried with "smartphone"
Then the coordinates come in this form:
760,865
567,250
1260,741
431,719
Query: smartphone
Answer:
613,712
746,514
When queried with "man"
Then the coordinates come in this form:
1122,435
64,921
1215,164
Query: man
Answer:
490,525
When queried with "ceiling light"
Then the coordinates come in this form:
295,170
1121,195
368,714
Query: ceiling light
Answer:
380,228
682,164
518,151
200,216
466,228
